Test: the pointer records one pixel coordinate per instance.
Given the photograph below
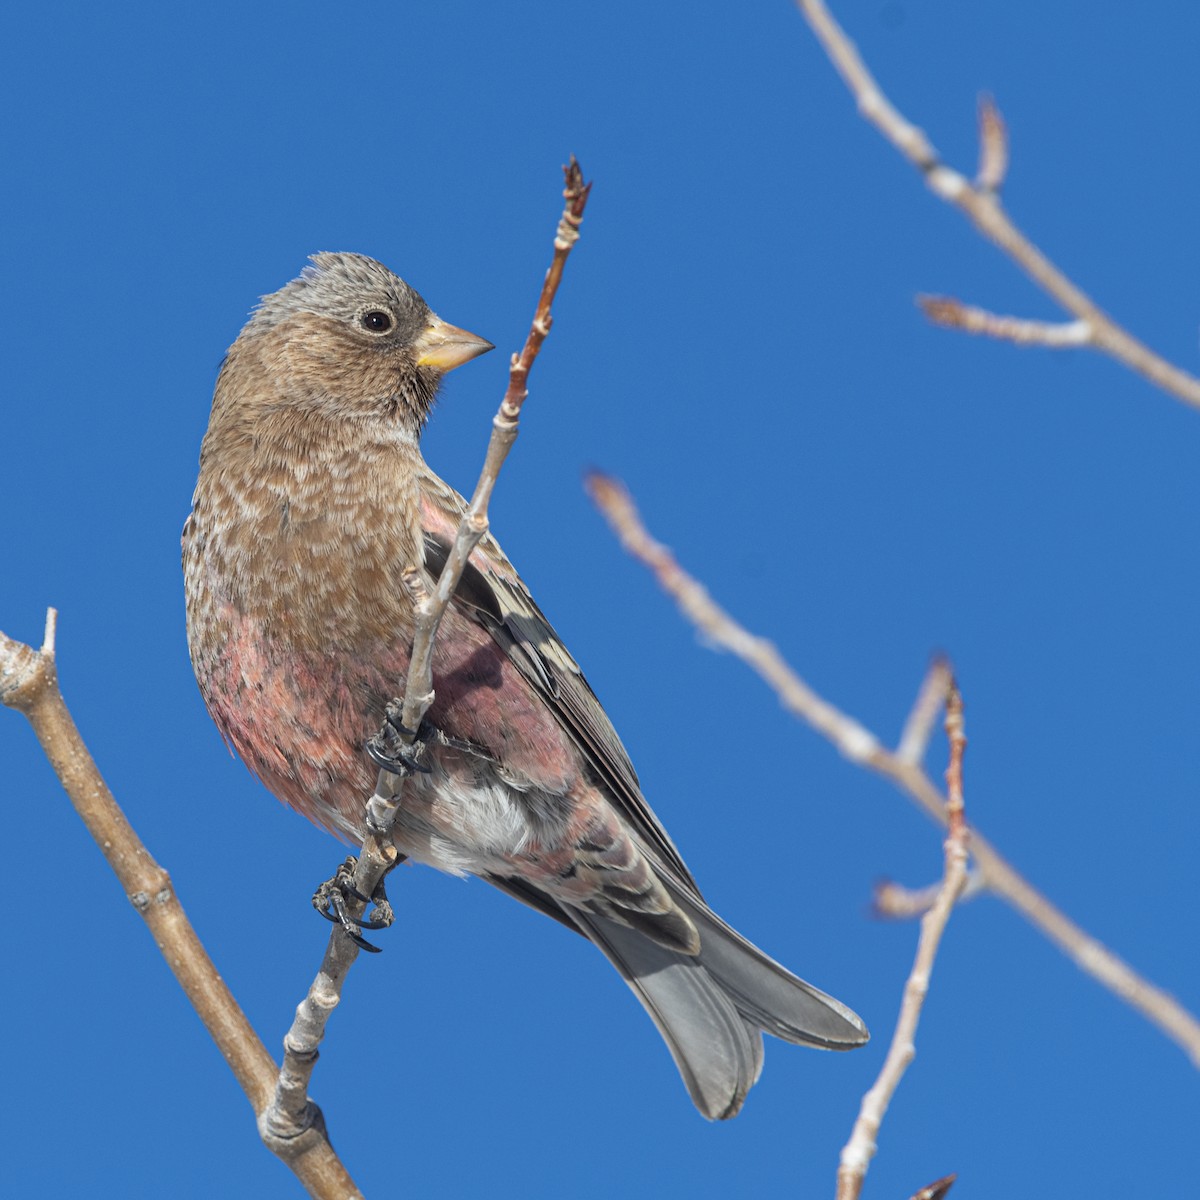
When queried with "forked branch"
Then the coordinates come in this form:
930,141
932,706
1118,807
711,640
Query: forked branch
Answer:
902,767
860,1149
980,203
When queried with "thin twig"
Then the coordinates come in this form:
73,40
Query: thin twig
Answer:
930,697
860,1149
993,147
379,853
937,1189
954,314
863,747
982,207
29,683
474,525
893,901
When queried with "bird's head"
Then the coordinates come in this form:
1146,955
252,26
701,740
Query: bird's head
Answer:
349,336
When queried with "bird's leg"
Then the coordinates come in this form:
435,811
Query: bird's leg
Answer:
330,901
396,749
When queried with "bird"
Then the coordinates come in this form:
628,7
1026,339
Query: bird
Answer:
313,499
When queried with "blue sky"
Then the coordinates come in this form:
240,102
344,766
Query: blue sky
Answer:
736,338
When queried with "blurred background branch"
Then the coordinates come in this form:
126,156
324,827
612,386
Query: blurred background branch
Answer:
903,769
860,1149
980,203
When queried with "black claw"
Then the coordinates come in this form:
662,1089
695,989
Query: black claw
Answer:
384,914
395,757
363,923
362,943
374,923
389,750
330,901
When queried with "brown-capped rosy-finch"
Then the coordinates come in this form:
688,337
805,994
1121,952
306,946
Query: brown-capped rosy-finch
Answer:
312,501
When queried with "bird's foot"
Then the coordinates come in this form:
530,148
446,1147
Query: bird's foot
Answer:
331,901
397,749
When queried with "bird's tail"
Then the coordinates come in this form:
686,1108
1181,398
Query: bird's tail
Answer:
711,1007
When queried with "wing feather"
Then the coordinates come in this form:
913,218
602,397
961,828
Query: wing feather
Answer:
491,591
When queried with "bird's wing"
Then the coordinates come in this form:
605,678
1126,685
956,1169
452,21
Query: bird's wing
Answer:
491,591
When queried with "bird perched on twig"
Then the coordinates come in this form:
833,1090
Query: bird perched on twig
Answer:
313,500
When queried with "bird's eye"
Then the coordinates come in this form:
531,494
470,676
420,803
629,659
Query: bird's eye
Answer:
376,320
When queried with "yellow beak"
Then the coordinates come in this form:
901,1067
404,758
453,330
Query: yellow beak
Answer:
445,347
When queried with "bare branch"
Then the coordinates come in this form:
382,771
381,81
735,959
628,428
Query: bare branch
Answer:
956,735
379,854
928,704
418,694
954,314
993,147
872,103
893,901
860,1149
612,498
983,208
29,683
937,1189
862,746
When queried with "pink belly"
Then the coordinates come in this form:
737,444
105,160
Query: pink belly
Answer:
298,718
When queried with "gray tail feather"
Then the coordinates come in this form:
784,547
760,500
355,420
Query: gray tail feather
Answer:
718,1053
768,995
710,1008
